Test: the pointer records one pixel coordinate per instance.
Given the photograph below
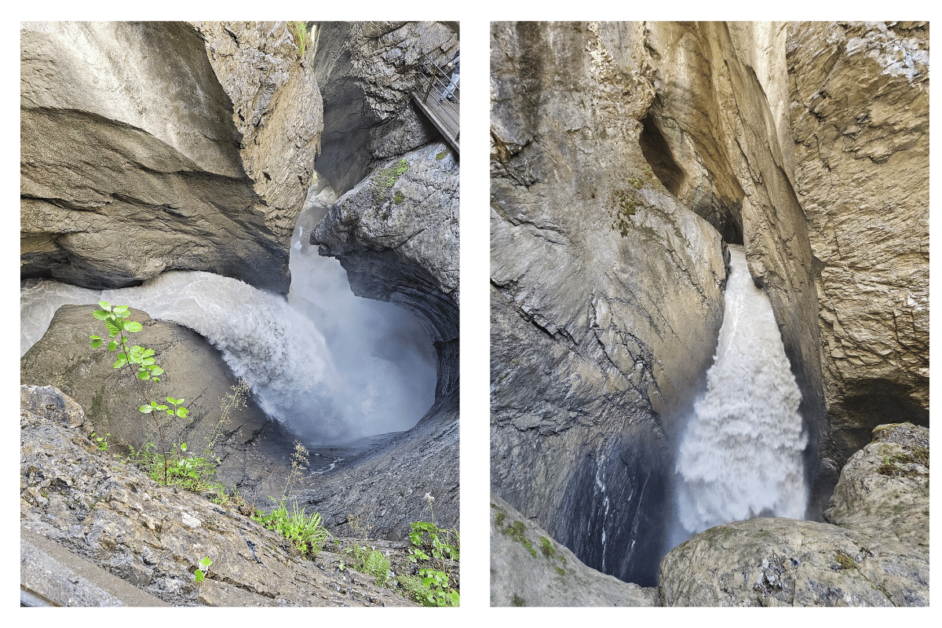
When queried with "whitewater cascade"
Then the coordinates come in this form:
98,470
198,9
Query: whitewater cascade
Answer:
329,365
741,454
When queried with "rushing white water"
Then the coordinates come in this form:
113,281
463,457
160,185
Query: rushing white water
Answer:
331,366
741,454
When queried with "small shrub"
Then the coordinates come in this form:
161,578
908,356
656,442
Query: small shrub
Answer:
304,531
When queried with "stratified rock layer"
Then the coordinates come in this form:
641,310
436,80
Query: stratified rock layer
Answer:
530,569
154,537
366,71
134,159
877,554
860,115
606,293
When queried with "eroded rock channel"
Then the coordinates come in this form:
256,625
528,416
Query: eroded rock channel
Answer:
218,194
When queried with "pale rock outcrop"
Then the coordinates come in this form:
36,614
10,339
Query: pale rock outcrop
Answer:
530,569
874,553
860,115
153,537
134,159
606,296
396,235
366,71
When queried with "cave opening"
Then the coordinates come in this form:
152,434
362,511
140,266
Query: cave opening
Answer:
657,152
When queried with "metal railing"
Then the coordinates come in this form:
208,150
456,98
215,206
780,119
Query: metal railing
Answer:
433,94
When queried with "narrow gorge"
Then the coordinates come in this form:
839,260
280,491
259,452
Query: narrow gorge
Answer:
274,210
645,176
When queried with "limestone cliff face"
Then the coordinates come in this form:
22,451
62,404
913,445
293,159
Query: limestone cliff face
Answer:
147,147
605,293
860,115
396,235
366,71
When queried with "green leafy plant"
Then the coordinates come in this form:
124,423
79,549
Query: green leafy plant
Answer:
299,31
371,562
304,531
147,367
200,574
101,442
431,588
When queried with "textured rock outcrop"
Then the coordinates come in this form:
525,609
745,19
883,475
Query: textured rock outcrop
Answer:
860,116
530,569
251,447
145,148
875,554
365,71
396,235
153,537
606,293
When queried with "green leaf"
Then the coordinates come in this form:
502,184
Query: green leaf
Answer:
133,326
121,361
175,402
96,342
161,407
143,375
118,309
147,353
200,576
148,361
112,345
182,412
112,328
146,409
183,448
104,305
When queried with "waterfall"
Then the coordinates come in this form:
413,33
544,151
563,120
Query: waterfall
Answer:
330,366
741,453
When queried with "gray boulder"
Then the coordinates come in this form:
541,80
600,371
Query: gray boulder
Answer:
875,552
528,568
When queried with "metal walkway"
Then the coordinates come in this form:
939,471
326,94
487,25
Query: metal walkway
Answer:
443,113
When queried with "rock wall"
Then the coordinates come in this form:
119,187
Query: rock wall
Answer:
860,114
148,147
605,293
366,71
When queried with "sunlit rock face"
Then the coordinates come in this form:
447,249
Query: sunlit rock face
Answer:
860,116
146,147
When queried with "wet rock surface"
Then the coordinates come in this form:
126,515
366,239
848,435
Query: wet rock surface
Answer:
605,293
365,71
153,537
133,160
528,568
860,115
876,553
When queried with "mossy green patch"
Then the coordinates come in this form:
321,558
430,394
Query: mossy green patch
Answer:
546,547
846,561
441,155
518,601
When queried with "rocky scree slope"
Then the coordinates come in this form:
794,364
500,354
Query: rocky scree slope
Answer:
153,536
154,146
